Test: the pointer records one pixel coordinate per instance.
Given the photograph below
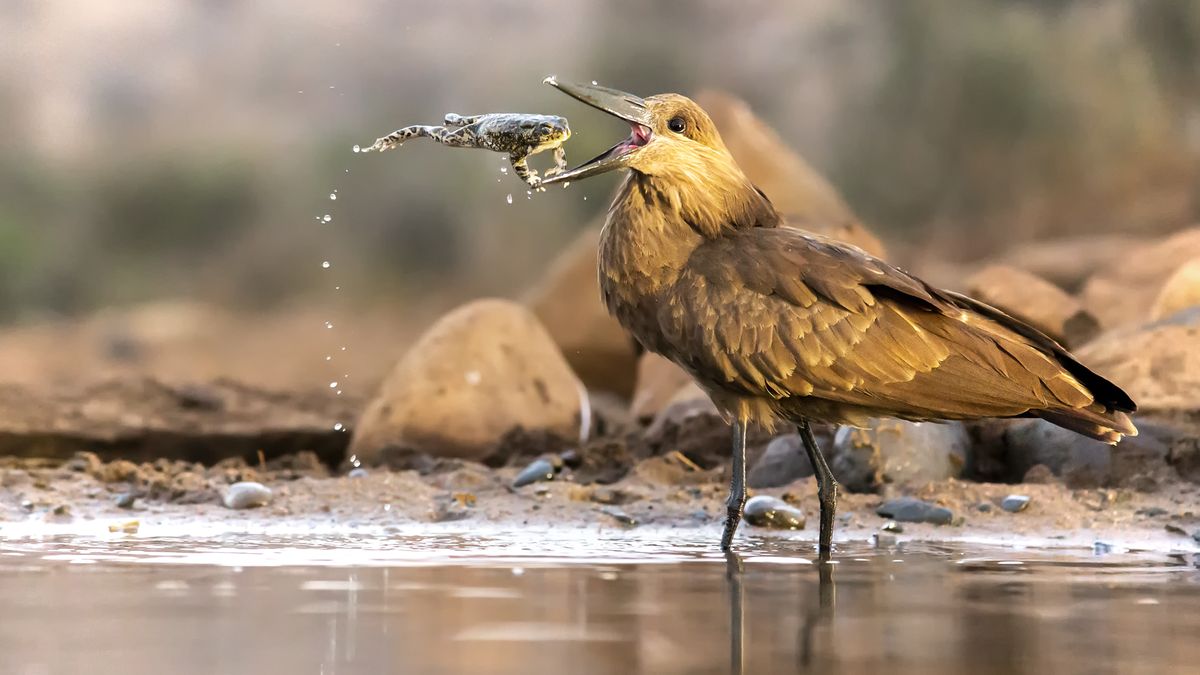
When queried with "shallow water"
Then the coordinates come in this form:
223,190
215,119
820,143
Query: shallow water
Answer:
584,602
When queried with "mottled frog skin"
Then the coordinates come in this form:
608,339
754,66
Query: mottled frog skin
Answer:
517,134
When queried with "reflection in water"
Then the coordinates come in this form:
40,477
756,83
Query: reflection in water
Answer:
491,603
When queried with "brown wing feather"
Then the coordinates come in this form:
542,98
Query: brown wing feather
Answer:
777,313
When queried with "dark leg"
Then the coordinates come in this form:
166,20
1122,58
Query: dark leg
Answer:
737,485
826,489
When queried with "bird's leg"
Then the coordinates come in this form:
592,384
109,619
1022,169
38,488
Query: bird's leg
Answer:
737,484
452,120
826,489
737,613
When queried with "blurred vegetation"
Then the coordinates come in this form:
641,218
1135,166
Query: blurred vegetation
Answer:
190,148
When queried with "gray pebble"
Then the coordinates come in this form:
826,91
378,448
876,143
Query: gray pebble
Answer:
619,515
783,462
1101,548
358,472
538,470
126,500
983,507
913,510
1196,536
247,495
1015,503
1175,529
765,511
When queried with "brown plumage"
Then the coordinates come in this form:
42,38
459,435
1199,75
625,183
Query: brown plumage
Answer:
774,322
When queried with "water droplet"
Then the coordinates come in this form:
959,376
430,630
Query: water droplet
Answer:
329,324
325,264
328,358
338,392
343,349
594,83
326,218
387,507
508,198
357,149
518,571
337,288
585,198
333,195
333,385
504,169
566,184
550,79
339,427
332,87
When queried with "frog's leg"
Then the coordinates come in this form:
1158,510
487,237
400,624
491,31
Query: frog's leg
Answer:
520,165
462,137
453,120
560,162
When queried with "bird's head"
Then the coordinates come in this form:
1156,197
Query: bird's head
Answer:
669,134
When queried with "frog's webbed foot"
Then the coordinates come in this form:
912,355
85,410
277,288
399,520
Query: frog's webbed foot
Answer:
453,120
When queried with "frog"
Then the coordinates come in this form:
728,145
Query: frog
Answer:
520,135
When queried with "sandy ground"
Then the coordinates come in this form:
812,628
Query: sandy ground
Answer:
81,496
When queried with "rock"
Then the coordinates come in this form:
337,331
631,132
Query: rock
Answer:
1151,512
126,500
567,301
85,462
1175,529
480,371
606,460
912,510
1039,474
783,462
659,382
141,419
1015,503
1035,301
1180,291
797,190
1196,536
247,495
448,508
1158,365
618,515
765,511
1124,294
1080,461
613,496
895,451
1067,262
358,472
538,470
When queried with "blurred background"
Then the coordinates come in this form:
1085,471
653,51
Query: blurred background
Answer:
167,168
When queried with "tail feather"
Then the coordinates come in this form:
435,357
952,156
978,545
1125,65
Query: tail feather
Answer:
1109,426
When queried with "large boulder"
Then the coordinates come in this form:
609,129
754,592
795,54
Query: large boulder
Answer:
1181,290
1035,301
659,381
480,371
1158,365
1124,293
796,189
567,301
894,451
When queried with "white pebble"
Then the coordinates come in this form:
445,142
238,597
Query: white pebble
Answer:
246,495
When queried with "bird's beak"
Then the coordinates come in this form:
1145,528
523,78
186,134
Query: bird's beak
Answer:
628,107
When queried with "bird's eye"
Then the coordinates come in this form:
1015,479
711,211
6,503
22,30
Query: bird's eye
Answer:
677,125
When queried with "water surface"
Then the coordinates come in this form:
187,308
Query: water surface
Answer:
584,602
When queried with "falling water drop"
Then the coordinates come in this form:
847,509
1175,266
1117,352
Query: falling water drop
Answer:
328,357
357,149
333,196
329,324
508,198
325,264
326,218
504,169
594,83
333,385
338,427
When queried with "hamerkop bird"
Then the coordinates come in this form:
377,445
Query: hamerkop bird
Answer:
774,322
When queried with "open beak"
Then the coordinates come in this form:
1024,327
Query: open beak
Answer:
628,107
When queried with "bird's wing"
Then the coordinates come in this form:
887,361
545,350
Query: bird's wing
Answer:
779,313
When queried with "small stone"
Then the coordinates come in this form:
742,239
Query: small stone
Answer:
1196,536
62,510
358,472
1015,503
1175,529
983,507
1101,548
1152,512
538,470
247,495
913,510
619,515
128,527
893,527
783,462
766,511
895,451
126,500
84,462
